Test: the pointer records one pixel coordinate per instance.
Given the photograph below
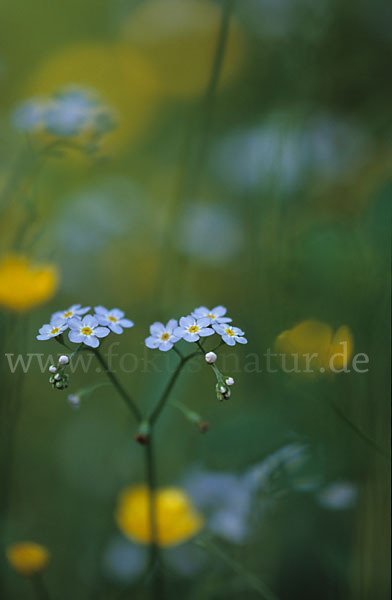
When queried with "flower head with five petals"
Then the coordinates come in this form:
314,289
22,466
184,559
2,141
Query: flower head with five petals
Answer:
215,315
191,329
230,335
162,336
87,330
114,319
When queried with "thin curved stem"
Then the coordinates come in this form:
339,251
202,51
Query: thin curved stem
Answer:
119,387
162,401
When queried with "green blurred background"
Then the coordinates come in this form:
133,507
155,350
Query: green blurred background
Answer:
272,198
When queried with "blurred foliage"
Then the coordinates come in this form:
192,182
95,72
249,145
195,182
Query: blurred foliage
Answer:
272,198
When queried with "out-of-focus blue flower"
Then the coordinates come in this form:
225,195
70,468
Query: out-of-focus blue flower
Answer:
210,233
124,561
75,111
339,495
70,112
224,500
29,116
186,560
288,462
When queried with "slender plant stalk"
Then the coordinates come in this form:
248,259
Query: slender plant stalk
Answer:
119,387
41,591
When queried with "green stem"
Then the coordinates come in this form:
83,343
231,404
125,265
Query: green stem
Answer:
40,588
123,393
162,401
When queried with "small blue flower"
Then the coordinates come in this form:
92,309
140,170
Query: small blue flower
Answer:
86,330
114,319
52,329
29,116
162,336
230,335
192,329
215,315
74,311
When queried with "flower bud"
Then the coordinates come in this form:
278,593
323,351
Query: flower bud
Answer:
229,381
57,377
222,390
52,369
63,360
210,357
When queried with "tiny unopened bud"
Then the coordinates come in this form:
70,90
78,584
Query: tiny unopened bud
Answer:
74,400
52,369
57,377
63,360
229,381
141,438
59,385
203,426
222,390
210,357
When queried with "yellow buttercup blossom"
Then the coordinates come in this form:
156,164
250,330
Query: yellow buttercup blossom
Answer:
177,519
25,284
28,558
180,40
313,347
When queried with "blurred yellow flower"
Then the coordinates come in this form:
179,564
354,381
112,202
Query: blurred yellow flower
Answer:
180,39
124,80
312,347
177,519
27,558
25,284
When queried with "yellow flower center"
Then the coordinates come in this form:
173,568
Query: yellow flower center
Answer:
112,319
86,331
68,314
55,330
193,329
165,337
211,316
229,332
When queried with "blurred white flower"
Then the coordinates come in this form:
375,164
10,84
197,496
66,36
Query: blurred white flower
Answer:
339,495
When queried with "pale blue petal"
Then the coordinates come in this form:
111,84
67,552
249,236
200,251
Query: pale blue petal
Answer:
91,340
165,346
44,336
102,319
117,313
82,311
203,322
223,320
187,321
191,337
101,331
126,323
219,311
229,340
152,342
171,325
206,331
101,310
115,327
179,332
75,336
90,321
75,324
157,328
218,328
202,311
241,340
